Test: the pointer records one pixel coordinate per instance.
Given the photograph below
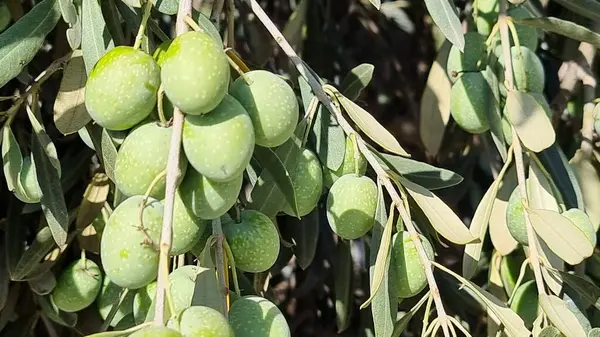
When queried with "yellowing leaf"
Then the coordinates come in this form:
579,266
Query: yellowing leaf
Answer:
530,121
559,314
562,236
371,127
435,103
70,113
93,201
588,179
442,218
540,191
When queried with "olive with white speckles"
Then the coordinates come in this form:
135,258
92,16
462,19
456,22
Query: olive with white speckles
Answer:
127,250
208,199
254,241
271,103
307,177
219,145
30,192
121,88
142,157
183,290
77,286
109,295
200,321
351,205
253,316
187,227
347,167
409,271
472,59
471,101
195,73
528,70
515,217
156,331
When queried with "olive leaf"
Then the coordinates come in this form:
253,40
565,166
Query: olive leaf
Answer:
70,114
443,13
442,218
530,121
539,190
563,27
563,175
92,204
31,258
68,319
73,33
402,323
435,102
428,176
586,8
304,234
306,93
343,285
42,136
21,41
43,284
562,236
108,152
68,11
4,273
206,25
376,3
356,80
12,159
371,127
276,169
293,29
168,7
328,139
384,305
550,259
494,114
588,291
589,181
95,39
559,314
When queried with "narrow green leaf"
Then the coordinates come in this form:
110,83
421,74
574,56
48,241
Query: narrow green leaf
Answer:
108,152
530,121
168,7
443,13
31,258
4,272
557,165
270,162
304,234
549,258
295,25
565,28
68,319
75,31
539,190
586,8
306,93
206,25
343,285
588,291
499,234
562,236
402,323
328,139
589,181
513,324
43,284
11,159
68,11
371,127
70,113
21,41
559,314
376,3
44,140
95,39
356,80
382,262
441,217
428,176
385,302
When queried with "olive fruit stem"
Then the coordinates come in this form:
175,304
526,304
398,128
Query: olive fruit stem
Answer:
231,261
190,21
370,157
161,110
519,280
230,42
518,152
166,233
238,69
114,309
142,29
143,204
220,262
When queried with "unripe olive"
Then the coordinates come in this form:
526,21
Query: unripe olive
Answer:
271,104
515,217
351,206
471,101
142,157
510,268
408,268
254,241
348,165
109,295
207,199
528,70
195,73
77,286
307,178
253,316
128,250
121,88
472,59
487,15
219,145
187,228
583,222
528,36
31,192
200,321
156,331
525,302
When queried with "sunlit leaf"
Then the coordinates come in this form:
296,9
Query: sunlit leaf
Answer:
11,158
94,197
539,190
68,11
559,314
529,120
95,39
565,28
443,13
589,181
328,139
70,113
356,80
499,234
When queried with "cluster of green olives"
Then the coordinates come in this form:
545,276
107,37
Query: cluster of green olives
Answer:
478,91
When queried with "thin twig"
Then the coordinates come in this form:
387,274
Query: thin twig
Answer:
230,24
185,8
518,153
325,100
142,29
215,15
220,262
